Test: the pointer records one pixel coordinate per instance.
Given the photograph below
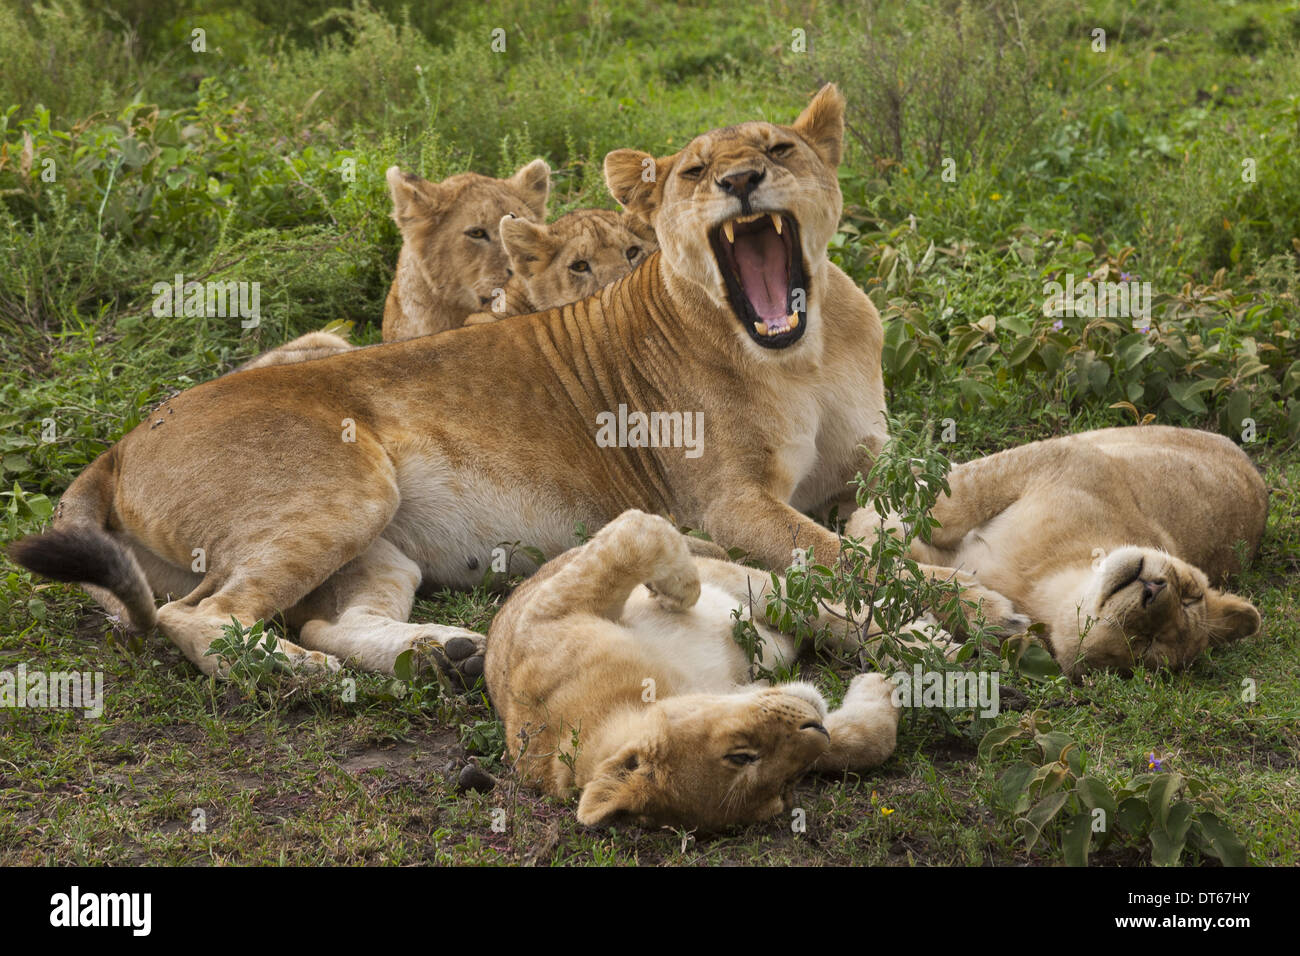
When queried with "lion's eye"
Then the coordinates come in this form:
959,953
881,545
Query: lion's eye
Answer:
1189,601
476,233
632,253
741,758
579,265
695,172
780,149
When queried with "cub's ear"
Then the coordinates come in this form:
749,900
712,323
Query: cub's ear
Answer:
1230,617
412,195
534,183
821,124
621,786
640,228
635,180
528,244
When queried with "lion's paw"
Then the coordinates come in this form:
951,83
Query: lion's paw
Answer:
456,652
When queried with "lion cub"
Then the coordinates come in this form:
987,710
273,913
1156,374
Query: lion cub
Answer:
1110,538
572,258
616,674
452,262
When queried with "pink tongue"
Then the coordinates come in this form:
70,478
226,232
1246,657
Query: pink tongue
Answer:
760,257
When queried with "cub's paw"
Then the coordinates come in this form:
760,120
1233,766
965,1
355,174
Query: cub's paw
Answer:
873,688
455,652
1000,615
676,591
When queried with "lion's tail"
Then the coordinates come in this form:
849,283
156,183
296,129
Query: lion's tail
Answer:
79,550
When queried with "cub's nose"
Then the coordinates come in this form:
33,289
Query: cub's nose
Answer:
1151,589
741,184
813,725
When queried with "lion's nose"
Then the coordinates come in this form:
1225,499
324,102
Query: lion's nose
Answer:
742,183
1150,589
813,725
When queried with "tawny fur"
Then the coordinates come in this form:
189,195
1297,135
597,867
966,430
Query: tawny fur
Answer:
616,675
1110,538
452,262
329,489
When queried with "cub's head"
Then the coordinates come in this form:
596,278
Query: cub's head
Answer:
1148,607
711,760
576,255
744,214
452,228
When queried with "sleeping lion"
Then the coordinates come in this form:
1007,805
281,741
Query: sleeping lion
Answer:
1110,538
615,673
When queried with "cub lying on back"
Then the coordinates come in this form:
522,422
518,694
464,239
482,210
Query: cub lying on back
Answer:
626,642
1110,538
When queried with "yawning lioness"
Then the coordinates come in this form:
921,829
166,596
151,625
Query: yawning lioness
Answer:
329,489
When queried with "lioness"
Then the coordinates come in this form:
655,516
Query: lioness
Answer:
572,258
329,489
616,674
452,262
1107,538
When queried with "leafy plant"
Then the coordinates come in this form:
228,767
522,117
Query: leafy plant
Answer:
1052,798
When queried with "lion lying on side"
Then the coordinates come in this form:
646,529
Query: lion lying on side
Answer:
617,666
1110,538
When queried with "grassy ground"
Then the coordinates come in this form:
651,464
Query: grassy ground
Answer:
228,164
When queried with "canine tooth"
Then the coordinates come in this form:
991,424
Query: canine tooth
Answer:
776,222
729,231
760,328
793,320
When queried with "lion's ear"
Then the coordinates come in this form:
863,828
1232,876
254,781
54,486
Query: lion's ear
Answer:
639,228
534,183
620,787
821,124
635,180
412,195
528,244
1230,617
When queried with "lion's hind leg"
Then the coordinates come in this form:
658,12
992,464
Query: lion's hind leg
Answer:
360,616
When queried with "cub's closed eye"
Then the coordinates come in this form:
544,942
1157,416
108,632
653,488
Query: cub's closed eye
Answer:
632,253
740,758
780,149
579,265
695,172
476,233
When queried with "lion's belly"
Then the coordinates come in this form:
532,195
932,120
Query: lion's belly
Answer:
457,524
696,645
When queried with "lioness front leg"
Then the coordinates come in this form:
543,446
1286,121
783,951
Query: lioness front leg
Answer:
360,615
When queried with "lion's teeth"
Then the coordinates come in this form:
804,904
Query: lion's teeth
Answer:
793,320
776,222
760,328
729,231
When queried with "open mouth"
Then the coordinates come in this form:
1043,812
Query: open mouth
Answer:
761,263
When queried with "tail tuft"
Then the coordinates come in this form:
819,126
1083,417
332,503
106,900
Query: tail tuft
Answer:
86,555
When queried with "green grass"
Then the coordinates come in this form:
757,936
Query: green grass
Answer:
227,165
